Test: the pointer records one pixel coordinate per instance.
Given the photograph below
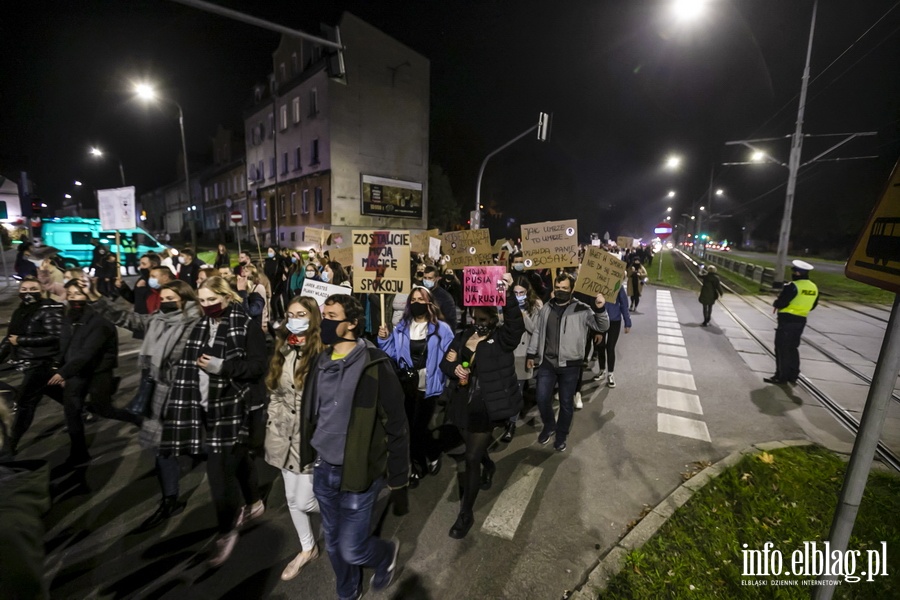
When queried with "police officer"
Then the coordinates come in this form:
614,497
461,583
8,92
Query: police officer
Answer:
793,305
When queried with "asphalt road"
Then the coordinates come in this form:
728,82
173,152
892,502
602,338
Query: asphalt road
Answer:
684,395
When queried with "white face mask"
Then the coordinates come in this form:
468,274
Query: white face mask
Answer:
271,254
298,325
518,266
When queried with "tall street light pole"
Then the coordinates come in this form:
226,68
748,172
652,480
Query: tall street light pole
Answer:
99,153
146,92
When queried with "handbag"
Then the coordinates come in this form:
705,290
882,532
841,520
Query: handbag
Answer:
140,404
256,426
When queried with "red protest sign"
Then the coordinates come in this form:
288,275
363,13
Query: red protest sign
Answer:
480,286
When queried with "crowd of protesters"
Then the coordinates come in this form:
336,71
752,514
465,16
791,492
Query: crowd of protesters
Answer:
241,370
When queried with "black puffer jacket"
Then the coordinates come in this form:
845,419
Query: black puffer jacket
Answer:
495,364
88,345
40,343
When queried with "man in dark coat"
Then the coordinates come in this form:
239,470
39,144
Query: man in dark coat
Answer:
190,268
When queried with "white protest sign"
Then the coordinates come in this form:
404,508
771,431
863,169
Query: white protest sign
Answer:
321,290
116,207
434,248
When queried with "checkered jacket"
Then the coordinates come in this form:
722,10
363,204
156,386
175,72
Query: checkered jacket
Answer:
185,430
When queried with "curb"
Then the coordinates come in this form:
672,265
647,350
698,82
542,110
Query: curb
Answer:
614,560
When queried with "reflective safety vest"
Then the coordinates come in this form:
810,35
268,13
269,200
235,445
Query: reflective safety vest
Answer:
803,302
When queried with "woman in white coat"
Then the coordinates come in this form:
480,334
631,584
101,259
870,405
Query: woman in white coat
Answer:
296,347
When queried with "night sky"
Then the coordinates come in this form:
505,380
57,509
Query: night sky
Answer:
627,83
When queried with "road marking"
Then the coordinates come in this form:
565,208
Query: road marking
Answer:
671,362
671,339
673,350
668,319
682,426
679,401
684,381
513,501
663,330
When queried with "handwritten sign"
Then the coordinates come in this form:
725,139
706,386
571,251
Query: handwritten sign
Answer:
467,248
550,244
419,241
381,262
624,242
341,255
116,208
314,235
480,286
320,290
434,248
600,273
498,245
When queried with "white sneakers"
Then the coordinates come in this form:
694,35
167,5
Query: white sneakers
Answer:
601,376
578,403
611,382
293,568
224,546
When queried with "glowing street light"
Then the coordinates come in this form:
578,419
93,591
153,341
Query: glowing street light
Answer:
96,151
67,196
719,192
78,183
145,91
671,194
688,10
757,156
702,208
669,209
673,162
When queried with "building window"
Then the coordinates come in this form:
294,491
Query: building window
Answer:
216,191
295,64
206,194
282,117
304,202
271,125
293,236
272,167
262,133
293,203
261,171
314,159
282,236
319,206
295,108
313,102
297,165
256,211
284,163
251,175
283,206
283,70
264,209
242,184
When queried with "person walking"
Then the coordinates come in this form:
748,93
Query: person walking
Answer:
557,348
88,354
605,343
417,345
636,274
794,303
212,404
710,291
484,394
297,345
164,334
530,305
30,346
222,257
354,436
190,267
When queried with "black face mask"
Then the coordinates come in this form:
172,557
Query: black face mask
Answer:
168,307
483,330
30,297
76,309
145,273
328,332
417,309
562,297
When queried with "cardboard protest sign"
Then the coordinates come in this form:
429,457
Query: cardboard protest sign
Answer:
321,290
434,248
480,286
624,242
116,208
600,273
314,235
341,255
550,244
381,262
467,248
419,241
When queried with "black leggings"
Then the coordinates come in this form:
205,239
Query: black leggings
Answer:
419,410
606,349
469,470
100,387
231,473
707,312
34,387
635,300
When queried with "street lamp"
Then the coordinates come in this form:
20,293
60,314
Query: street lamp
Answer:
688,10
67,196
673,162
94,151
78,183
671,194
146,92
757,156
720,192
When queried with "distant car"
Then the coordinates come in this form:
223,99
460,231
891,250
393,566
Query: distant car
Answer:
72,236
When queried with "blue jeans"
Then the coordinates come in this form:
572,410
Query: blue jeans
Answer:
347,521
549,377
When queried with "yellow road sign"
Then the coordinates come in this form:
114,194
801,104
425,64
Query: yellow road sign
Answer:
876,257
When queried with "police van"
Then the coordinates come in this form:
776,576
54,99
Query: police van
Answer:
72,236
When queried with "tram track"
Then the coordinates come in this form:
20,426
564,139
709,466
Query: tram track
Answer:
832,406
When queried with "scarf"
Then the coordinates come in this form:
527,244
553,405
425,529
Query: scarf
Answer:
162,335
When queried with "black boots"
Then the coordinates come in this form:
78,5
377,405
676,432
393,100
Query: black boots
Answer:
463,524
168,507
509,433
487,475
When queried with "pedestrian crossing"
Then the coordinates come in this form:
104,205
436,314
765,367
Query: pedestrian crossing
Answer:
674,379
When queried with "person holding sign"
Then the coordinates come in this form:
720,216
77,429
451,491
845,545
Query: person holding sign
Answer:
484,394
557,349
417,345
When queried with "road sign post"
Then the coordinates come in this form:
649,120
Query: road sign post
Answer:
236,218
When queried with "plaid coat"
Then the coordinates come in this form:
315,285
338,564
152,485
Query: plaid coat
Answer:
185,428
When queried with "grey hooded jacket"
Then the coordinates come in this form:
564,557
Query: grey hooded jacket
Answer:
578,320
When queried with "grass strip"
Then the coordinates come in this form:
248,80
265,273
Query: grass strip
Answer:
674,272
786,497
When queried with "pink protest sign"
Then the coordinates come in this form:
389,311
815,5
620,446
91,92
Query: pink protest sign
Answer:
480,286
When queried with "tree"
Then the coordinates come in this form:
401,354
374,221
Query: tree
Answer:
443,210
